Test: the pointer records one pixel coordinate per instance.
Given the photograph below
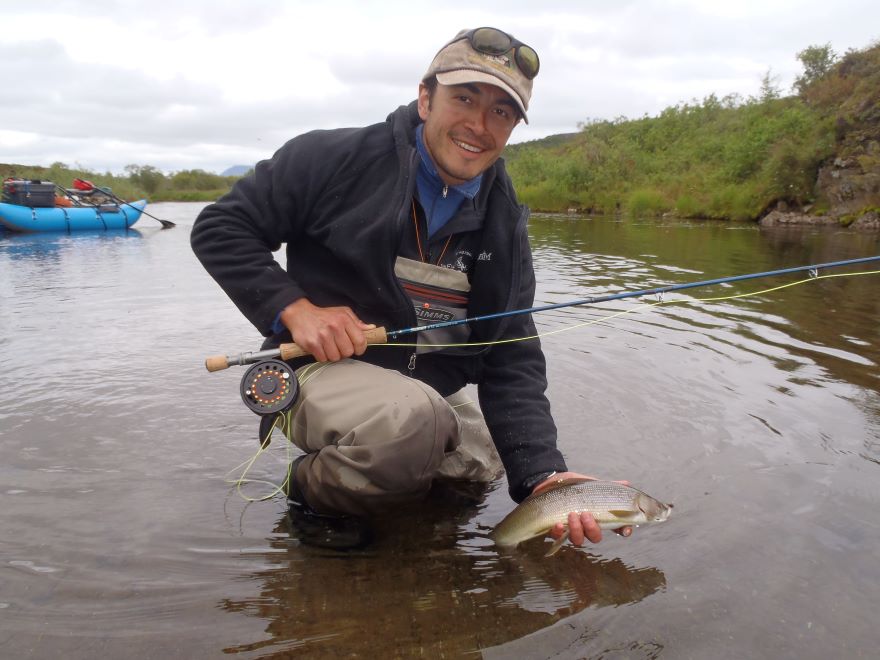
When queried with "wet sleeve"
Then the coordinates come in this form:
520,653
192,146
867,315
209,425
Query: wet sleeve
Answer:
513,400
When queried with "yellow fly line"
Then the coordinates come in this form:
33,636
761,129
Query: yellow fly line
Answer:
283,420
682,301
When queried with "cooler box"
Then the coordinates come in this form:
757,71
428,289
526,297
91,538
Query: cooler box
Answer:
29,193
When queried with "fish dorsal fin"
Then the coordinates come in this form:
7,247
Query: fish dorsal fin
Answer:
570,481
559,483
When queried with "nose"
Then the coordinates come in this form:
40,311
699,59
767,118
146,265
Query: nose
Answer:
476,121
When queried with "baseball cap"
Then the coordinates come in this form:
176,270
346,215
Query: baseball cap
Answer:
491,56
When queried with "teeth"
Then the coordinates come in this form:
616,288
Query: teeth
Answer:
468,147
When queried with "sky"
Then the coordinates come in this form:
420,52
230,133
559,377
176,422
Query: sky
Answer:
207,84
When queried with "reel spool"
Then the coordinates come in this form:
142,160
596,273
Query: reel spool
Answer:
269,387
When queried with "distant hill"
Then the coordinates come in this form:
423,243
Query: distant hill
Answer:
236,170
545,142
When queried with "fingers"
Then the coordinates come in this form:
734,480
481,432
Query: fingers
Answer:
337,338
354,317
583,527
357,339
328,333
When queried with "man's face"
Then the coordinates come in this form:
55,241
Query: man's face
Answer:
466,127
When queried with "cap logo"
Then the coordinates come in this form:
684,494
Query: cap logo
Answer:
498,61
501,60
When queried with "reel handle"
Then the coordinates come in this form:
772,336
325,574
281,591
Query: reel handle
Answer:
284,352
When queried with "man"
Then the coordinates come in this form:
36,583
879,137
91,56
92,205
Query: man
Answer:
398,224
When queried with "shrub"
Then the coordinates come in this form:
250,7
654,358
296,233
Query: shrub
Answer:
687,207
646,202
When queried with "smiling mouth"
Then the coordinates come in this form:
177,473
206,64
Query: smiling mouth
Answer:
468,147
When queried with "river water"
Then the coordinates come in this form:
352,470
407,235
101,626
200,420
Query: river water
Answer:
123,534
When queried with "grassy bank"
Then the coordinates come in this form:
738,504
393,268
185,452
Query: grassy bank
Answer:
727,158
139,182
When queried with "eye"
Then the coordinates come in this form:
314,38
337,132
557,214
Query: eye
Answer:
464,98
505,115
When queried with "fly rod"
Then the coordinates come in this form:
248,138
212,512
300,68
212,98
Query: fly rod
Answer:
381,336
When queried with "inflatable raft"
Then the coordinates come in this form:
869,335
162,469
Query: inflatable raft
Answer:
17,217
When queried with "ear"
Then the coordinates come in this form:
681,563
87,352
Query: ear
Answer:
424,101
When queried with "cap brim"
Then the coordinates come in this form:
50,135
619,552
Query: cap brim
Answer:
464,76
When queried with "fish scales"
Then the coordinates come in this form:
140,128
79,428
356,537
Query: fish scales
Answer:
595,496
612,504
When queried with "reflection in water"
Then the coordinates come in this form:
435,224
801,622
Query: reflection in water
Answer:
802,325
759,417
432,585
40,246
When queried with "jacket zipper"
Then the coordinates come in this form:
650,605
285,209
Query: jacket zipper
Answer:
412,320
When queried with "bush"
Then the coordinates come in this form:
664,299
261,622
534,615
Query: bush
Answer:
687,207
646,202
140,182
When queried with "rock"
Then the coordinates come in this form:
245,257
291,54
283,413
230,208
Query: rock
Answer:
869,220
847,187
778,218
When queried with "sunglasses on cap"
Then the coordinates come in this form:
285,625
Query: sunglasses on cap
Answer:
492,41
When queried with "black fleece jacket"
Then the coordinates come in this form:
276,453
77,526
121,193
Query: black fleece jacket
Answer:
341,201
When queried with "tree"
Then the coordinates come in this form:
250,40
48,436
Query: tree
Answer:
769,87
817,61
147,177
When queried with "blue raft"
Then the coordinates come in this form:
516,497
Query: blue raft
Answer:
16,217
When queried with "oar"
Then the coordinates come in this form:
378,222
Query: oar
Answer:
166,224
67,194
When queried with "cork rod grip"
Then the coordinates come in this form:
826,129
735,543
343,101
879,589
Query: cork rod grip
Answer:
374,336
216,363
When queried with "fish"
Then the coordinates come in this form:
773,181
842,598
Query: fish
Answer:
613,505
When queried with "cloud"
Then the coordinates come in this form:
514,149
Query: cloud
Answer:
207,84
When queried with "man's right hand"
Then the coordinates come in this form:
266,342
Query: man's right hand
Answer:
328,333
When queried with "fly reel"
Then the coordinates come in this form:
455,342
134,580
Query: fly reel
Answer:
269,387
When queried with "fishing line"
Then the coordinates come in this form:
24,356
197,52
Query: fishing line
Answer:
239,482
377,335
283,420
682,301
814,268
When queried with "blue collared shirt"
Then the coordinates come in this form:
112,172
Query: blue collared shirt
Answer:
439,207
